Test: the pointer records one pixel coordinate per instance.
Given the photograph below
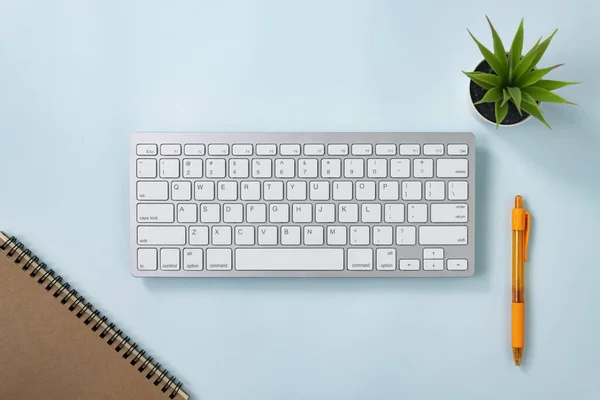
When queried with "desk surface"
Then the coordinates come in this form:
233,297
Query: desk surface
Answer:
77,78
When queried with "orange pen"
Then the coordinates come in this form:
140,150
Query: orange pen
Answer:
520,241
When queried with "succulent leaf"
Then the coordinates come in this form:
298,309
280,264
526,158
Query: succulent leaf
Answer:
515,93
501,111
491,59
517,45
553,85
540,94
491,96
534,111
506,96
534,76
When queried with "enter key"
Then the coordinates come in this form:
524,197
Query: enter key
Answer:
449,213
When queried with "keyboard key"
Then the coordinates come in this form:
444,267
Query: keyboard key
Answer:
266,149
386,259
170,149
147,190
218,260
433,149
314,149
409,265
313,235
267,236
147,259
331,168
336,235
417,213
458,190
256,213
337,149
376,167
324,213
169,168
157,213
290,235
187,213
371,212
348,213
385,149
458,149
360,259
319,190
359,235
296,190
442,235
342,190
192,168
261,168
146,150
423,168
394,213
279,213
193,260
365,190
289,259
289,149
273,190
412,190
204,190
388,190
233,213
215,168
218,149
244,235
221,235
410,150
457,265
227,190
452,168
238,168
406,235
198,235
450,212
194,150
307,168
169,259
181,190
161,235
433,265
250,190
435,190
210,213
241,149
354,168
301,213
362,149
146,168
433,254
400,168
382,235
285,168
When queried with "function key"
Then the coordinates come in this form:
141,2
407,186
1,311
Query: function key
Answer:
289,149
458,149
433,149
242,150
314,149
362,149
385,149
170,149
337,149
194,149
410,149
147,149
218,149
266,149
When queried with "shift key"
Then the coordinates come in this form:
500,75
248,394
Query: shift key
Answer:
442,235
161,235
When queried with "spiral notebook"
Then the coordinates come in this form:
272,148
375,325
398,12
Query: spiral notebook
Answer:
56,345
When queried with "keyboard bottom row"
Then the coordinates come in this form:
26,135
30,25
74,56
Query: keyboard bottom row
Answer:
284,259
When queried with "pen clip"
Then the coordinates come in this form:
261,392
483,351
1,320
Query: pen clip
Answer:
527,226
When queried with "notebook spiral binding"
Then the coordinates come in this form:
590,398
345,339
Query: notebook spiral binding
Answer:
78,305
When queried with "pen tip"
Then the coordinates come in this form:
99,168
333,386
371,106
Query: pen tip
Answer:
518,201
517,354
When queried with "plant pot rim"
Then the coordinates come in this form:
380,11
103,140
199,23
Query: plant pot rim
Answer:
481,116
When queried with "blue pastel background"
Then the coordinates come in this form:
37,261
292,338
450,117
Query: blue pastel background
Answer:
78,77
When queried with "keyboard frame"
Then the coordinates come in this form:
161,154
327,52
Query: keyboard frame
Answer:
413,251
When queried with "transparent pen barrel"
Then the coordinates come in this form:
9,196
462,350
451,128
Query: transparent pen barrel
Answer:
518,255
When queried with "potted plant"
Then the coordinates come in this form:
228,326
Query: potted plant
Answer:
506,88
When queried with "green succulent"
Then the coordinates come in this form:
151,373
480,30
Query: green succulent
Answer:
516,78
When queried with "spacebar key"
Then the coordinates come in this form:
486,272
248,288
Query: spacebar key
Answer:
289,259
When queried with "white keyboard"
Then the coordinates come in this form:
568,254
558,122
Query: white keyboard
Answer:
302,204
